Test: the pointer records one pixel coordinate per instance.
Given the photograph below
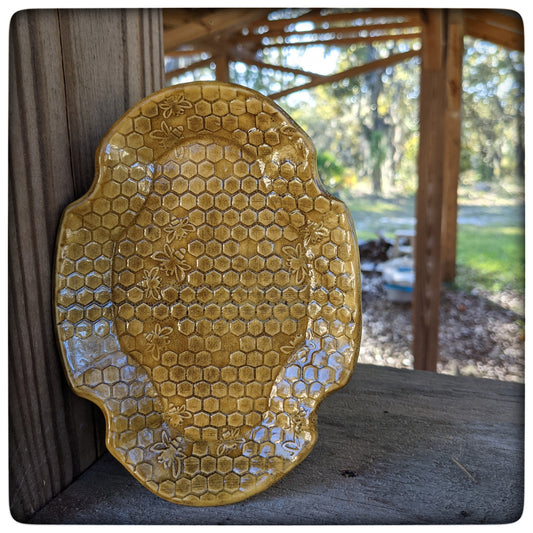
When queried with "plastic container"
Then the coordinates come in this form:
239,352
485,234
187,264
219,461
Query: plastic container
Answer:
398,279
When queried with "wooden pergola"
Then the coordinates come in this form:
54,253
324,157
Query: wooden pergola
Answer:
72,72
216,37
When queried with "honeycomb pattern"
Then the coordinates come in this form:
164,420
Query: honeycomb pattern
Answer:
207,293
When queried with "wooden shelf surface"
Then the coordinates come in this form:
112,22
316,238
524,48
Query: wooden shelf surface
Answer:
394,447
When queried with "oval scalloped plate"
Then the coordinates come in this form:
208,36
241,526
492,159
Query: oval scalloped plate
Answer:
207,293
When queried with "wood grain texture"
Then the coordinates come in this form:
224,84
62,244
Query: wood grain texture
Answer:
66,88
452,141
426,297
394,447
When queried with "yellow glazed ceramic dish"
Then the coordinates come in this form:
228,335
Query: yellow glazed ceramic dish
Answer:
207,293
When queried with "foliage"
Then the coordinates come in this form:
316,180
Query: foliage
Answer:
493,112
330,170
373,119
365,130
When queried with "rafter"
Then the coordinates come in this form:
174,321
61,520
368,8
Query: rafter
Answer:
249,59
337,30
347,40
316,15
210,24
188,68
350,73
281,23
494,30
188,53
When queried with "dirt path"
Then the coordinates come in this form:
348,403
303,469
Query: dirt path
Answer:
480,335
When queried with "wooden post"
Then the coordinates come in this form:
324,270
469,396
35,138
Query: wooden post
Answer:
222,68
426,298
452,142
72,74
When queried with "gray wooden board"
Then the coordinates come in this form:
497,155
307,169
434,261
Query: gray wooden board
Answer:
72,73
394,447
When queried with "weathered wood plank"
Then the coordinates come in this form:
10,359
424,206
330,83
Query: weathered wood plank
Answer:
47,452
392,447
66,88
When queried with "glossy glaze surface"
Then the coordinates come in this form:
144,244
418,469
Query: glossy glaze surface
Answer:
207,292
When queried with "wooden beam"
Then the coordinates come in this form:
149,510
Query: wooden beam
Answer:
316,16
347,40
350,73
481,29
244,58
188,68
337,30
210,24
282,23
426,298
222,68
188,52
507,20
452,142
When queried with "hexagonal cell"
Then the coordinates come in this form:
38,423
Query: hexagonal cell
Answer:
195,123
235,419
265,217
237,107
230,122
101,206
230,248
239,233
255,327
137,423
84,265
210,93
214,184
220,108
202,390
222,201
249,279
212,123
282,278
240,169
253,105
142,124
196,248
203,108
246,404
272,327
225,466
196,186
237,327
272,137
265,248
257,200
152,233
255,137
247,343
111,189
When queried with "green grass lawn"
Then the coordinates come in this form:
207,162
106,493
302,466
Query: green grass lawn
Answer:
490,257
490,240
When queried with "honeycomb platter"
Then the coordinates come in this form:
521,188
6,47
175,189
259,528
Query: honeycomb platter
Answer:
207,293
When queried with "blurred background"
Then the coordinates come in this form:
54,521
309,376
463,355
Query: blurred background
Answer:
366,132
